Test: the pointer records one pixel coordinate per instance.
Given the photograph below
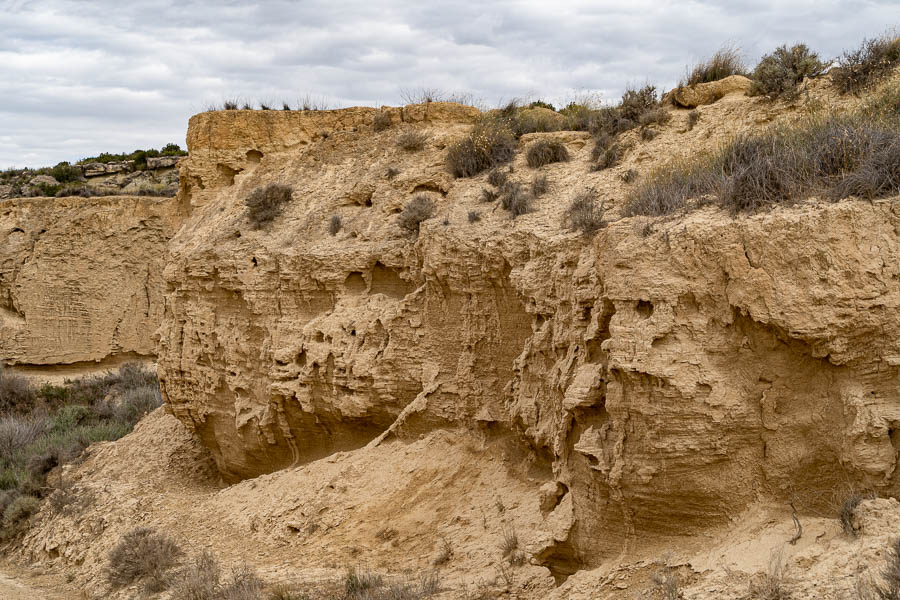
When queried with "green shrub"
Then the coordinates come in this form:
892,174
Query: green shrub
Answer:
724,63
415,212
544,152
265,203
779,75
542,104
64,172
490,144
143,555
636,102
584,215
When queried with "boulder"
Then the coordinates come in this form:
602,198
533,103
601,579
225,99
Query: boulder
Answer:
95,168
706,93
163,162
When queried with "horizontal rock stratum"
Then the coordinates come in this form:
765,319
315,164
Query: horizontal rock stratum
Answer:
656,379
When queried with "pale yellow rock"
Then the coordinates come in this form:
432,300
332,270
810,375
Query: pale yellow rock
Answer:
692,96
81,278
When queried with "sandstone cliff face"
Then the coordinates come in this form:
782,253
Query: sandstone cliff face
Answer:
81,279
653,380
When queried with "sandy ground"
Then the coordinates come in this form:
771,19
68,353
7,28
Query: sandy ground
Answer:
17,584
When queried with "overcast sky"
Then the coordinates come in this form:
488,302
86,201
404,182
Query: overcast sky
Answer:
78,78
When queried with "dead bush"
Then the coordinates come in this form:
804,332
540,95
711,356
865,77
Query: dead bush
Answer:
474,216
497,177
16,393
334,224
544,152
540,185
69,499
848,509
636,102
444,554
725,62
391,172
629,176
693,118
654,116
665,579
889,586
381,121
773,585
489,195
874,59
607,152
265,203
19,510
515,199
490,144
412,140
779,75
509,543
584,215
143,555
415,212
648,134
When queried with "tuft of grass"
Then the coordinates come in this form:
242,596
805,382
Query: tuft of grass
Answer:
540,185
15,392
724,63
774,582
201,580
873,60
665,579
779,74
381,121
544,152
391,172
417,210
265,204
334,224
584,215
515,199
489,195
629,176
848,509
489,145
143,555
509,543
474,216
693,118
497,177
412,140
607,152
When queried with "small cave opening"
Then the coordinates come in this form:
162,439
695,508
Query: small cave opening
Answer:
253,260
644,309
254,156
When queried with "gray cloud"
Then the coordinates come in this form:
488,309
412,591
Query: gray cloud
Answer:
79,78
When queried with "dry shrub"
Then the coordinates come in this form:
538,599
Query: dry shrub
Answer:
584,215
515,199
873,60
474,216
648,134
68,499
412,140
654,116
489,195
497,177
725,62
773,585
19,510
334,224
16,393
417,210
889,586
391,172
607,152
848,509
200,580
445,553
143,555
510,542
779,75
265,203
544,152
540,185
693,118
636,102
833,157
490,144
665,579
381,121
629,176
17,432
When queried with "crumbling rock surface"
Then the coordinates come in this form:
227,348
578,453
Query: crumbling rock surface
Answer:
81,279
659,377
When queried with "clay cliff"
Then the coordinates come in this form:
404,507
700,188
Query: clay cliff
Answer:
368,396
81,279
655,378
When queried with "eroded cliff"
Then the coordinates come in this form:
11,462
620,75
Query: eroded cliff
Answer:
653,380
81,278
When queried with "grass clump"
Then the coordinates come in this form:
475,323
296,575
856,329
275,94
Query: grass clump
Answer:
145,556
544,152
584,215
874,59
474,216
515,198
773,585
489,145
540,185
847,511
381,121
334,224
201,580
607,152
415,212
16,393
693,118
665,579
265,204
832,157
724,63
779,74
412,140
497,177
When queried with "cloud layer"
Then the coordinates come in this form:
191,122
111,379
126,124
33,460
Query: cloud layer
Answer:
79,78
